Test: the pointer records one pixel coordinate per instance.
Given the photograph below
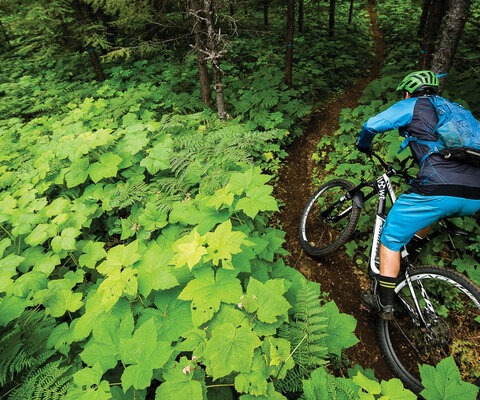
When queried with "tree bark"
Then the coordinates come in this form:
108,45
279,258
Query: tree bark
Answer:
453,27
331,19
265,13
97,66
290,32
300,15
350,12
431,18
200,51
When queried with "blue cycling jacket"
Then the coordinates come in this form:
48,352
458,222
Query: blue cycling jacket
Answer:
416,116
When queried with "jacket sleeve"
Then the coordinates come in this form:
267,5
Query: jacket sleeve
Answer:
397,116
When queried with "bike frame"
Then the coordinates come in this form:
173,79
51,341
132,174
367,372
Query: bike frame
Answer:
383,188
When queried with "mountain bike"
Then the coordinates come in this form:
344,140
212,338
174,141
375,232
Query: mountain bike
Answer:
437,310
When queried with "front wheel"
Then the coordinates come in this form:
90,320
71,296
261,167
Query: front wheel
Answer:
450,305
329,218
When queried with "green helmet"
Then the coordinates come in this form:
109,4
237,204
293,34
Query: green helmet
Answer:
418,81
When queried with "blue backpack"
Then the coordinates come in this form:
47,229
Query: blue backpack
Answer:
458,133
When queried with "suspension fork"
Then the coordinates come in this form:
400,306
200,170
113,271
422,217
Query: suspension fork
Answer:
416,311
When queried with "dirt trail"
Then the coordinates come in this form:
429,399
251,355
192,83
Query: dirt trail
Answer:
337,275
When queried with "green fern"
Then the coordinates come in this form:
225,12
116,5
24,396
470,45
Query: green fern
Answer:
28,370
49,382
306,333
322,385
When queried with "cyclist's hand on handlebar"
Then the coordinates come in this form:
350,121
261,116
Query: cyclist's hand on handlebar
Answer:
366,150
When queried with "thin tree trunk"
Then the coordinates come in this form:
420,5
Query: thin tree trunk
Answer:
432,20
199,29
214,40
350,12
424,17
331,19
453,27
290,32
97,66
265,13
300,15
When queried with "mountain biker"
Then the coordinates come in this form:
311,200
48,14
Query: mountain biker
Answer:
442,188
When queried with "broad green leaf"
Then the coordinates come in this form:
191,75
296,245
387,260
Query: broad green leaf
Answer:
207,291
106,167
255,380
133,141
103,347
316,386
272,394
152,217
154,271
257,199
8,269
92,253
340,329
46,263
444,382
65,241
277,353
394,390
368,385
28,282
189,250
223,196
224,242
40,234
230,350
89,385
158,157
172,316
78,173
4,244
182,381
58,298
12,307
266,299
118,257
204,217
251,178
144,352
117,284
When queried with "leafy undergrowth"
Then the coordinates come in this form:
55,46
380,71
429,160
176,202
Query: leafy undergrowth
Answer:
135,230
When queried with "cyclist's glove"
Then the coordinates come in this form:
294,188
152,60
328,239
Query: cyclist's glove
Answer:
366,150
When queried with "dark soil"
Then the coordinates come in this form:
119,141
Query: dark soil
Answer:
337,274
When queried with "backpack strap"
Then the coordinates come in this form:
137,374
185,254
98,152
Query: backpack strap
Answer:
434,146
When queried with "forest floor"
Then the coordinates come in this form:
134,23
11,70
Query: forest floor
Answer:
338,274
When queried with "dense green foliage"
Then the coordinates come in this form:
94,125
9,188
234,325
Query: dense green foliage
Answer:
136,250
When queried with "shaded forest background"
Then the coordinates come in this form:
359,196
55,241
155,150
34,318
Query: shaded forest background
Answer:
140,252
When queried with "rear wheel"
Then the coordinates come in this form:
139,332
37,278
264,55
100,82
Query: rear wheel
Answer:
454,325
329,218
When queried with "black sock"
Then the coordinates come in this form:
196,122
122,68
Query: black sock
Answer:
386,289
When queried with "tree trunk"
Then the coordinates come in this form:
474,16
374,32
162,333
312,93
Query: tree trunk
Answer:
300,15
331,19
265,13
200,50
290,31
453,27
431,18
350,12
208,43
215,55
97,66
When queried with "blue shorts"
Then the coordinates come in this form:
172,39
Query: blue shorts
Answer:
412,212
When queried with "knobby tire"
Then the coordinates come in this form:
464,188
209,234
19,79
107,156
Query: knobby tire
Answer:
322,234
456,333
